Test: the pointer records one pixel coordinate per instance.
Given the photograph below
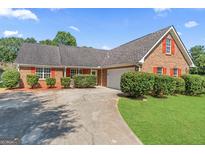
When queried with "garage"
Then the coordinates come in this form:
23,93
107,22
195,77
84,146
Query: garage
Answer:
114,75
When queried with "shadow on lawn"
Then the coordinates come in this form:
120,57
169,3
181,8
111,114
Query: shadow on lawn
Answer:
140,98
143,98
24,116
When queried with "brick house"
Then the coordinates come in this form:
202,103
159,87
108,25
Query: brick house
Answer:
161,52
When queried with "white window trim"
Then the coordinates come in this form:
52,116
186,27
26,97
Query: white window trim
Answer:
93,71
177,72
161,71
170,48
43,78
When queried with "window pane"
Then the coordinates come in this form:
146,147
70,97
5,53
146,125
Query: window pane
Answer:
168,45
39,72
47,72
159,70
175,72
93,72
73,72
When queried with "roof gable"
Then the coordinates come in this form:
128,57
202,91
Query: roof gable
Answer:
179,42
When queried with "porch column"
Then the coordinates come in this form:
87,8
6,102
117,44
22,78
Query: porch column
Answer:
64,71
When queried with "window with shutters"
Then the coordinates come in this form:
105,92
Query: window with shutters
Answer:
159,70
175,72
168,46
43,73
75,71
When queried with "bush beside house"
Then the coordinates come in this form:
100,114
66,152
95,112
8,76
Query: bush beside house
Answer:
180,85
164,85
10,78
84,81
137,84
193,84
50,82
203,84
32,80
65,82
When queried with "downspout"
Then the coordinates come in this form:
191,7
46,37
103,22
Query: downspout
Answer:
18,67
65,72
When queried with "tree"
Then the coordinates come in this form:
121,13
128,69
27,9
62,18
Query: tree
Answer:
200,62
196,51
30,40
47,42
7,55
9,48
65,38
198,54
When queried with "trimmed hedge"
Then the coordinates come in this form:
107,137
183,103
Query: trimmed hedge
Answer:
65,82
50,82
193,84
10,78
180,85
137,84
84,81
164,85
203,84
32,80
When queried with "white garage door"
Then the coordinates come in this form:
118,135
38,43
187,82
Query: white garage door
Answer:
114,75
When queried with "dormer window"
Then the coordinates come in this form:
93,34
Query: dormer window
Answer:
168,46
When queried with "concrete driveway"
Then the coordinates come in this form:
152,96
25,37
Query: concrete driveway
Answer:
71,116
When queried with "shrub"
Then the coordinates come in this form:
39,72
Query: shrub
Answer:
203,84
84,81
50,82
193,84
137,84
32,80
180,85
164,85
10,78
65,82
1,84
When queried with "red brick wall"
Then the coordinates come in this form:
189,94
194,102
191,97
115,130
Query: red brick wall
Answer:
158,58
56,73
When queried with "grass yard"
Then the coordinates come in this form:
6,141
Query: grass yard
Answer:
175,120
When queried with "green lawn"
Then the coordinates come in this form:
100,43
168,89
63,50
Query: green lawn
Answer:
175,120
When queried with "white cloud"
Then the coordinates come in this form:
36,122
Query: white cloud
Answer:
22,14
179,33
162,12
74,28
8,33
191,24
104,47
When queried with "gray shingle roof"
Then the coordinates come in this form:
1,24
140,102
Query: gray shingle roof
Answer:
133,51
129,53
81,56
38,54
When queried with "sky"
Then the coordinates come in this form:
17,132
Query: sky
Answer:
103,28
